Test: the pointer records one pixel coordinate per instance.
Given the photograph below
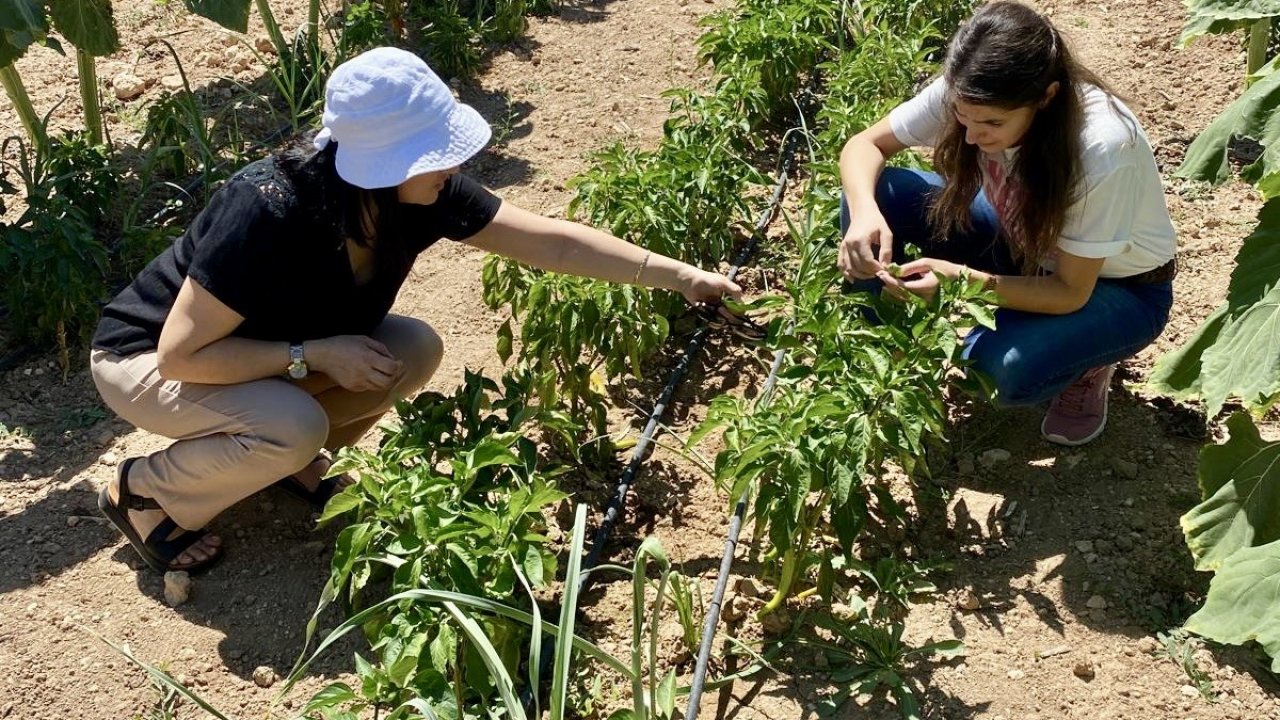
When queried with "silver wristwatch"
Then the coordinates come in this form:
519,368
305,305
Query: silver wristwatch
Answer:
297,363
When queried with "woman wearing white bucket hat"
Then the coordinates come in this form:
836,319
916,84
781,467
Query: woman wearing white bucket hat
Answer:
263,335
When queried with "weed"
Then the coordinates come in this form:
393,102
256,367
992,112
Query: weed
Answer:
1180,647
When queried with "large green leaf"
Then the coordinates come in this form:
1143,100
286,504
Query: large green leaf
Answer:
22,22
1240,482
87,24
22,16
230,14
1234,353
1242,603
1218,16
1253,115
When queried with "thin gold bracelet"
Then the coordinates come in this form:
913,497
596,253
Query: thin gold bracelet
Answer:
643,263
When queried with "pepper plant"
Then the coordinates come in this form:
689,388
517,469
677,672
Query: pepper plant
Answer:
454,499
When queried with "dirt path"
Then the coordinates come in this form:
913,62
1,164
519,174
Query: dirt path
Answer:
1091,561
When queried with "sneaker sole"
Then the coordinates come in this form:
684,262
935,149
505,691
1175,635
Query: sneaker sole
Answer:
1060,440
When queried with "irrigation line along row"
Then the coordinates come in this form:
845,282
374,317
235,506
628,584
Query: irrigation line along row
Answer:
616,503
726,562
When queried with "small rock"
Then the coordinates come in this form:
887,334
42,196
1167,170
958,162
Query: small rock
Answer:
104,437
735,608
187,653
1104,547
72,521
1084,670
993,457
1126,469
1016,674
752,588
968,600
1084,546
1054,651
177,588
109,459
263,676
265,46
128,86
1128,502
171,82
1124,542
776,622
1190,691
1096,602
1147,645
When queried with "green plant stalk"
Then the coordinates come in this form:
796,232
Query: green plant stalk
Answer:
655,619
313,20
1259,38
637,634
792,557
87,69
273,28
17,93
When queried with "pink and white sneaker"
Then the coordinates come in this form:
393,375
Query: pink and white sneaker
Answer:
1079,413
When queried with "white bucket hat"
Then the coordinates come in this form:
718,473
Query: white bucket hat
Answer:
393,118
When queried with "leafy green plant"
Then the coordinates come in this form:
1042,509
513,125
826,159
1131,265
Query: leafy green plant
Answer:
1232,531
867,654
51,255
1180,648
851,397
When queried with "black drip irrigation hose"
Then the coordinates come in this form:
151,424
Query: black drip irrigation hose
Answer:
722,581
616,503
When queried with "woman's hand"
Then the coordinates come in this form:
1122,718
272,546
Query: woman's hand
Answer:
918,277
866,247
356,362
700,286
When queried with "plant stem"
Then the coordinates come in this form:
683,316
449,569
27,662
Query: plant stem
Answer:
87,68
794,555
273,28
313,20
1259,39
22,104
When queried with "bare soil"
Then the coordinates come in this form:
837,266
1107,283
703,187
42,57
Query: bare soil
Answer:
1082,564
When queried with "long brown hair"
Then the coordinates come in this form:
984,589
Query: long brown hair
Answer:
1008,55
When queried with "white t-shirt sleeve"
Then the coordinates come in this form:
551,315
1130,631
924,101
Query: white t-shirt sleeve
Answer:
918,121
1100,224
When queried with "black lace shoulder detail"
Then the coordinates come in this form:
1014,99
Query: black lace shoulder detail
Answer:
271,182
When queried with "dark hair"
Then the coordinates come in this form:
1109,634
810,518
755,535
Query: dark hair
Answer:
1008,55
367,217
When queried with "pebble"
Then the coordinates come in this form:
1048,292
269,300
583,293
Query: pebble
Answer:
171,82
1096,602
72,521
1104,547
1053,651
752,587
993,457
1126,469
1084,546
1124,542
1016,674
1084,670
1190,691
263,676
177,588
776,622
265,46
109,458
968,600
1147,645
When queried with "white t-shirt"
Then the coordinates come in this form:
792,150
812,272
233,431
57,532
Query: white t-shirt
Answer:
1121,213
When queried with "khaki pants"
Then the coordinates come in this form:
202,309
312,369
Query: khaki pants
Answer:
234,440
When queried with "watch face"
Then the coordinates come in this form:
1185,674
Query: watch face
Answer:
297,370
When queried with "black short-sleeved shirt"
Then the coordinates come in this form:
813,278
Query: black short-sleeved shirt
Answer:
267,256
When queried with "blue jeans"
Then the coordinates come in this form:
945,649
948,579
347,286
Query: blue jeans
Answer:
1030,357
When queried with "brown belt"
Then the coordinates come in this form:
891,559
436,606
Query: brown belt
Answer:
1164,273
